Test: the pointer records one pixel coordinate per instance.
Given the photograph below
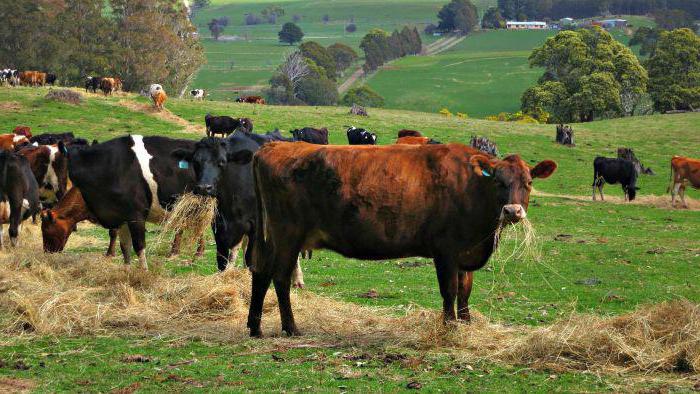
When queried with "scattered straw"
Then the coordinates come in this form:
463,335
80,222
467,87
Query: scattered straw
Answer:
523,240
191,215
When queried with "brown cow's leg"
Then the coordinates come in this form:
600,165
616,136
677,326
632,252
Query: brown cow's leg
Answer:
447,279
681,194
283,283
112,243
466,280
261,282
175,249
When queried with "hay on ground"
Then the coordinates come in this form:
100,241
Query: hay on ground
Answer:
191,215
65,96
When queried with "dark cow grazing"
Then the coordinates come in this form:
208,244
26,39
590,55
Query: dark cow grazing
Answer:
54,138
19,194
417,141
270,136
50,79
612,171
92,84
58,223
223,169
251,100
226,125
128,181
409,133
484,144
24,131
628,154
311,135
565,135
439,201
684,170
361,137
50,168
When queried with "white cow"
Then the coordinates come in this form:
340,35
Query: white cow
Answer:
198,94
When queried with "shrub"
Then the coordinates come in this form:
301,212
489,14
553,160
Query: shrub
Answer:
252,19
351,28
65,96
364,96
445,112
462,115
318,91
343,56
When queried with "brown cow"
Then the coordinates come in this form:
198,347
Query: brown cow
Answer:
159,98
251,100
409,133
416,141
25,131
58,223
445,202
12,141
684,170
32,78
107,85
50,168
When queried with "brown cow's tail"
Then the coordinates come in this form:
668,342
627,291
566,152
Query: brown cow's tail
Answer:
260,262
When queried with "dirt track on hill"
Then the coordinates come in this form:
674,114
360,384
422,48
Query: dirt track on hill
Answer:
163,115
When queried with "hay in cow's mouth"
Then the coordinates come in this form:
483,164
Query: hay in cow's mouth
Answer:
191,215
521,236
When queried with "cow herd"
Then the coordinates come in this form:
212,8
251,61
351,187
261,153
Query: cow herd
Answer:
26,78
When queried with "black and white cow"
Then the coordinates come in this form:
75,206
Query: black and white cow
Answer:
92,83
198,94
9,76
223,169
19,193
311,135
612,171
361,137
129,181
67,138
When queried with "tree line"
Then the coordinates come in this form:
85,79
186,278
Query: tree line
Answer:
555,9
141,41
380,47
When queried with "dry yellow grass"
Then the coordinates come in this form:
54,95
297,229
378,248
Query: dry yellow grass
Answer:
662,202
192,215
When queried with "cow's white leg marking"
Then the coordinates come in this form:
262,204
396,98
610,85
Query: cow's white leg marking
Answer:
142,259
297,275
125,242
156,213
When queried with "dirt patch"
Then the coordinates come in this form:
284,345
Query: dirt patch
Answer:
10,106
663,202
14,385
165,115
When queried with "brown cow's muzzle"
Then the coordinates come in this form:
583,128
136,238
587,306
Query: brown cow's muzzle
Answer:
513,213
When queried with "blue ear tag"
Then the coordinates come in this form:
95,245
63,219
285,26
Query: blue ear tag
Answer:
183,164
485,173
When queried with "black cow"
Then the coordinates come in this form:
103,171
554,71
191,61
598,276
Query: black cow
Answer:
270,136
50,78
19,193
129,181
54,138
226,125
223,169
612,171
361,137
311,135
92,83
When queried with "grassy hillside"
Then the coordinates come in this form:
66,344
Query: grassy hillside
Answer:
256,51
599,258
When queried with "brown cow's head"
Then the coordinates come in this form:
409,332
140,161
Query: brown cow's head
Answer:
512,178
54,231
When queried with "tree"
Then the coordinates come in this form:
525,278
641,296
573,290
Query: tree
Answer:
458,15
674,71
294,68
318,91
325,18
290,33
320,56
587,74
216,28
252,19
647,38
493,19
674,19
343,55
364,96
351,28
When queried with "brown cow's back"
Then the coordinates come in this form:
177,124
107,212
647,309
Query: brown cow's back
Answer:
413,140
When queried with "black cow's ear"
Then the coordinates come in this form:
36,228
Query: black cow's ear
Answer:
240,157
182,154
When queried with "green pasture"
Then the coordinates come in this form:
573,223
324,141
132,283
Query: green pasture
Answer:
603,258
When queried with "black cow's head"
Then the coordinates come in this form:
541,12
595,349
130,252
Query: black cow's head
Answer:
209,159
512,180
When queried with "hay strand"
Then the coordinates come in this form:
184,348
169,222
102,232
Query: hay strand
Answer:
191,216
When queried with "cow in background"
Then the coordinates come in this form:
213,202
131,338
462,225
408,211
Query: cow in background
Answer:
67,138
684,170
226,125
409,133
360,136
107,86
612,171
198,94
158,96
19,194
12,142
251,100
51,79
311,135
24,131
92,84
417,141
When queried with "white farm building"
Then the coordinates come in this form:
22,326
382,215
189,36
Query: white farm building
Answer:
516,25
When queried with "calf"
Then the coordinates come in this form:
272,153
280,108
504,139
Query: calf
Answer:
311,135
226,125
361,137
19,193
612,171
409,133
445,202
58,223
129,181
11,142
684,170
50,168
198,94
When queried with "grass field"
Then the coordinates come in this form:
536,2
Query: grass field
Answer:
604,259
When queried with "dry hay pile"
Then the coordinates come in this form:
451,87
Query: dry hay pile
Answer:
88,295
65,96
192,215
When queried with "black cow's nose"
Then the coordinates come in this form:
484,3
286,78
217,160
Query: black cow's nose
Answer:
204,189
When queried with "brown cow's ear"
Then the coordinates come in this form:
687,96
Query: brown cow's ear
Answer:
481,165
543,169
